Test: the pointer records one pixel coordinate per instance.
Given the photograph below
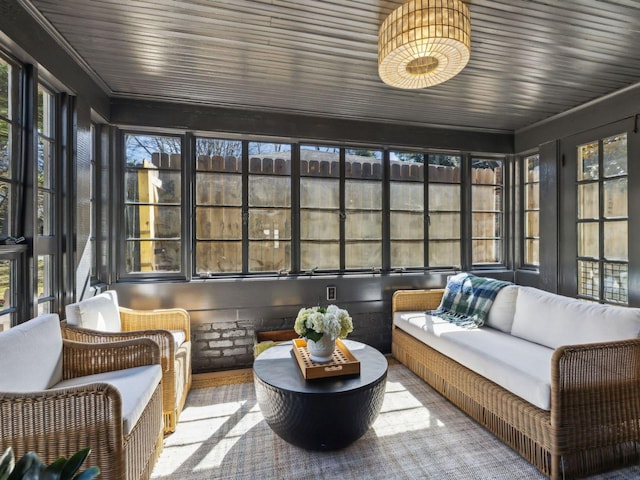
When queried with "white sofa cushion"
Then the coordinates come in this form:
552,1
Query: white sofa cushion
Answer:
503,309
96,313
179,336
519,366
31,355
136,386
553,320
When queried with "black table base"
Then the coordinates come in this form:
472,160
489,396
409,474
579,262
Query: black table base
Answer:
320,421
324,413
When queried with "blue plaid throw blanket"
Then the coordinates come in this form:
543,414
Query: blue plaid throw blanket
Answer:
467,299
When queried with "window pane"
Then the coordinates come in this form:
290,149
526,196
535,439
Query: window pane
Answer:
269,207
614,151
323,254
406,253
218,189
267,191
152,256
444,197
532,196
363,208
319,207
532,252
45,112
588,279
6,303
588,203
219,223
363,164
444,226
532,224
444,253
5,149
444,168
153,151
150,221
218,205
45,270
219,257
486,251
588,240
616,283
407,210
5,206
532,169
487,198
444,174
153,194
615,241
615,198
45,163
588,161
604,200
531,210
45,214
270,255
364,255
152,186
217,154
486,225
5,89
486,172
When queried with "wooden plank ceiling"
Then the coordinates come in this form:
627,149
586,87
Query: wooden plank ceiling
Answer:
530,59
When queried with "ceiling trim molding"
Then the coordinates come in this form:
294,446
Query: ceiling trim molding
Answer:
290,111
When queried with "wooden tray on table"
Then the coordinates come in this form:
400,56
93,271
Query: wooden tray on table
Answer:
342,363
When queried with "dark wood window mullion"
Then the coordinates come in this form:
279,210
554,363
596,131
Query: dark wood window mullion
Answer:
426,214
466,214
386,211
343,215
601,221
295,208
245,207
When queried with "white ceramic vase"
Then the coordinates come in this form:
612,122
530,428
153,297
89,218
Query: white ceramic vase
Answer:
322,350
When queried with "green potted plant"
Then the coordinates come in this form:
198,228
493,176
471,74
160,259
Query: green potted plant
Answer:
29,467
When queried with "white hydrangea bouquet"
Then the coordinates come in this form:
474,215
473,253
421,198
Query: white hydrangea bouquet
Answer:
314,322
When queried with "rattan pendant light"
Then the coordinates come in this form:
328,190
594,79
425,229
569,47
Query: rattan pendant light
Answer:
423,43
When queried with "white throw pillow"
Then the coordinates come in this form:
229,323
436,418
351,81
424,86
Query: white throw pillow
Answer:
553,320
503,309
31,355
100,313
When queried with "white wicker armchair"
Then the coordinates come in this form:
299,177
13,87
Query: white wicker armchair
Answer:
59,396
101,319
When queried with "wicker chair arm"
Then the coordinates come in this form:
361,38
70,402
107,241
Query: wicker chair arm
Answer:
87,415
81,359
595,391
163,338
415,300
166,319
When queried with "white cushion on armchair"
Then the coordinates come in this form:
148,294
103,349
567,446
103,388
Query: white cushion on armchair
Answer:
31,355
96,313
102,313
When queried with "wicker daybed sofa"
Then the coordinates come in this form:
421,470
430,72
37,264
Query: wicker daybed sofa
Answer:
591,419
58,396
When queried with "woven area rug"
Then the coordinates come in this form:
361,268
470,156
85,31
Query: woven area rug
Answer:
418,435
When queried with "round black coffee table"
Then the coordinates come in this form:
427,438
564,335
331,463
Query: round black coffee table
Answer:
320,414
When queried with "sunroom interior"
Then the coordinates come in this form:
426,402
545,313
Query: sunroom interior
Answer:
245,160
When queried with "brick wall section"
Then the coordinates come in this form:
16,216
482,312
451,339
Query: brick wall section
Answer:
220,345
